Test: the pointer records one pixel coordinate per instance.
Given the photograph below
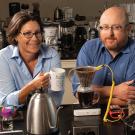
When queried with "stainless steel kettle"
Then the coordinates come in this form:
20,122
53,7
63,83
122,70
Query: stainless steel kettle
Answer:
42,115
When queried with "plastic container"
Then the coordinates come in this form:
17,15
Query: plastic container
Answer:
7,118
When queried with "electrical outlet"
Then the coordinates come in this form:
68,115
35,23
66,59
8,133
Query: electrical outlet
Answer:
86,130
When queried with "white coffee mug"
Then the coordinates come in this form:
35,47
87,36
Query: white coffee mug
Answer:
57,78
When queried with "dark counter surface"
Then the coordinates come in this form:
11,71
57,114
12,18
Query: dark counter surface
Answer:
68,123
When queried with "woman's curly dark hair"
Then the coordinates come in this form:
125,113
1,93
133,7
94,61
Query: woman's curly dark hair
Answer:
16,23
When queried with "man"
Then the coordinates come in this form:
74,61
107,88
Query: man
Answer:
115,49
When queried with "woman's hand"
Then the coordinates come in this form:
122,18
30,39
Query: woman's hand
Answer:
42,80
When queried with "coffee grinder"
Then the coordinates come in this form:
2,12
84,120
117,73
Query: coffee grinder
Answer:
86,114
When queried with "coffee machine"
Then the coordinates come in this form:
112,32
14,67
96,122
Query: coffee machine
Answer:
86,113
67,39
80,32
14,7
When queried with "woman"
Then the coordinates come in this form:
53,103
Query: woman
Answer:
25,61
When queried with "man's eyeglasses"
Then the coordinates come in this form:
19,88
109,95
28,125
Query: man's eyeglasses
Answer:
114,27
29,35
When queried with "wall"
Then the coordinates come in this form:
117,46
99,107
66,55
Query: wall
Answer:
89,8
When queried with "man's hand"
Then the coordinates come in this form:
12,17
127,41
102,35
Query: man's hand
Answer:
125,91
122,93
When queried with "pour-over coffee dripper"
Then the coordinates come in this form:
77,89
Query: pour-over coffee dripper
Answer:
85,75
86,95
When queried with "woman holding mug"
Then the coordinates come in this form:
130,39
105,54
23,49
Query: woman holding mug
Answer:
25,61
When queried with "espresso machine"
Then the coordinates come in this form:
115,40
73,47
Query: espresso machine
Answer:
80,32
67,39
87,112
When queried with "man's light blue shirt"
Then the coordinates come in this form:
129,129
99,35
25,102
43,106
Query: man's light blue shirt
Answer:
93,53
14,74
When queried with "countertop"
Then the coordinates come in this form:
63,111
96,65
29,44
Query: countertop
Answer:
67,122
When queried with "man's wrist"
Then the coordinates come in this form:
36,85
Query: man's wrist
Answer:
115,92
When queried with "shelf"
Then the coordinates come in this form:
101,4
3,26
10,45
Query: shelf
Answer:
68,63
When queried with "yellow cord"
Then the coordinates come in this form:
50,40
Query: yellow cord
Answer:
109,102
111,93
99,67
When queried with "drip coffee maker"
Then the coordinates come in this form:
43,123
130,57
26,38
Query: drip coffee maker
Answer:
86,95
86,116
89,122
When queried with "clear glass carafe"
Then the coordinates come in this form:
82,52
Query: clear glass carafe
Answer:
86,95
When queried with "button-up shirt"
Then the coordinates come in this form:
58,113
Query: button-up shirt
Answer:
94,53
14,73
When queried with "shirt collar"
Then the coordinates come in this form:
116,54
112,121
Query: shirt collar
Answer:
45,53
16,54
126,49
129,45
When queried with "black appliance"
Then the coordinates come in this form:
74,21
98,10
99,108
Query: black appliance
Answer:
36,10
67,40
80,32
14,7
80,37
58,14
3,36
24,6
86,125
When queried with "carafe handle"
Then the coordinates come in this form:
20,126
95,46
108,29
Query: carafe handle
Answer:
70,75
96,98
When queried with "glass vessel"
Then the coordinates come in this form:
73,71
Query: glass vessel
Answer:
86,95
